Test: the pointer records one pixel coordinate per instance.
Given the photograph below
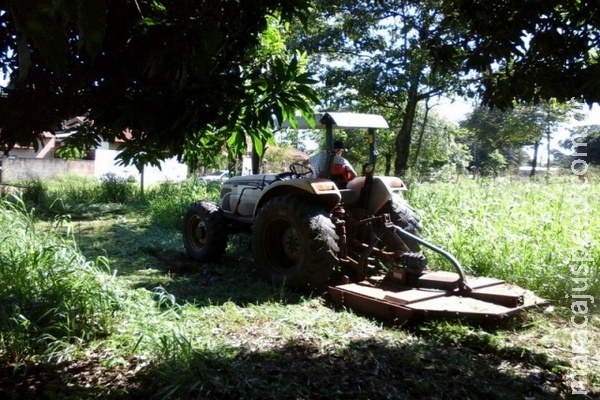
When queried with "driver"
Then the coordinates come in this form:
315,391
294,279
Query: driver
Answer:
341,167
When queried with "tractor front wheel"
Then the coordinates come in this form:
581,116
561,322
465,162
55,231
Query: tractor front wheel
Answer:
204,233
294,243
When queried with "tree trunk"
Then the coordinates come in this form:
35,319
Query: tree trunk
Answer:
421,134
235,164
548,140
255,162
404,137
387,164
142,182
536,145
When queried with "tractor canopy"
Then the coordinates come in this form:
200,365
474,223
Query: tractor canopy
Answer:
340,120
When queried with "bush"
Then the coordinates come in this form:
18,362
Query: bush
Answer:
115,189
35,194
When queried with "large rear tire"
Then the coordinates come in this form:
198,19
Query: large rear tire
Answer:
294,243
403,215
204,233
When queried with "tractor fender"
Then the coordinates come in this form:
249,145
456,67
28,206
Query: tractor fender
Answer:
383,189
322,192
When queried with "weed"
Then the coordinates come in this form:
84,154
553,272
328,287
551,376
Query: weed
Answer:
49,292
116,189
35,193
523,233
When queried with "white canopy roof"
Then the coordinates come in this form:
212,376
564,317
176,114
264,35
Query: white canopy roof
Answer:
343,120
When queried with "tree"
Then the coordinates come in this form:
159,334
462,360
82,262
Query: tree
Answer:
511,129
583,144
175,72
534,122
376,57
492,144
439,145
527,50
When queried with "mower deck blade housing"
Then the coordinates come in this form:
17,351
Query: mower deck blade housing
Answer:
436,295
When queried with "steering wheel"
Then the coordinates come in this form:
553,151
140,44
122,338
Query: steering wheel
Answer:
296,167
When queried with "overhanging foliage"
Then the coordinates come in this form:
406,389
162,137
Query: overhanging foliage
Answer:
168,70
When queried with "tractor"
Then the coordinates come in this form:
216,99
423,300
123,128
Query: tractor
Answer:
360,240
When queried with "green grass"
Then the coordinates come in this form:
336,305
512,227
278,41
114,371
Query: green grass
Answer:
50,294
143,321
529,233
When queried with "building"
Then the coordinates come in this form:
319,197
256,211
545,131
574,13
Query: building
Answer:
26,163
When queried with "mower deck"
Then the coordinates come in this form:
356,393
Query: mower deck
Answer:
436,294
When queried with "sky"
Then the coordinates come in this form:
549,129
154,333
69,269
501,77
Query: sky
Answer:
458,109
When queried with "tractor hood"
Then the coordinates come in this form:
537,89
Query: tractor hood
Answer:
341,120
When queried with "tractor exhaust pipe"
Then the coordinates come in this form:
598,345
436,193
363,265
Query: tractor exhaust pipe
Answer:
462,281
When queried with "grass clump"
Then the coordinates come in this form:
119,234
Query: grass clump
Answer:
116,189
49,294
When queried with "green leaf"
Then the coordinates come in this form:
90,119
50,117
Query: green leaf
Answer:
257,144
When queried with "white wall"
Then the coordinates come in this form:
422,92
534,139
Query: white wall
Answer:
171,169
22,168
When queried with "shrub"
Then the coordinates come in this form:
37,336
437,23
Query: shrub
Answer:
35,194
115,189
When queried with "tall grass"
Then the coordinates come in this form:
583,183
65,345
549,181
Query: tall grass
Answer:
78,196
49,294
52,299
521,230
116,189
527,232
168,201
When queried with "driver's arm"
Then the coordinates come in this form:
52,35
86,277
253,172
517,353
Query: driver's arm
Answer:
350,171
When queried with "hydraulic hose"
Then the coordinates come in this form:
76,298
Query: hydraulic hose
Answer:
462,281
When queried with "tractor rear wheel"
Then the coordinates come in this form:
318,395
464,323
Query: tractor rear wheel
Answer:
204,233
294,243
402,214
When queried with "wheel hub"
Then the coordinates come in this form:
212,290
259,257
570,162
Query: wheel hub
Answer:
290,243
200,234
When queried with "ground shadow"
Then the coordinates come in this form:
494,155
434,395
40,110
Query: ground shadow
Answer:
363,369
416,367
148,256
